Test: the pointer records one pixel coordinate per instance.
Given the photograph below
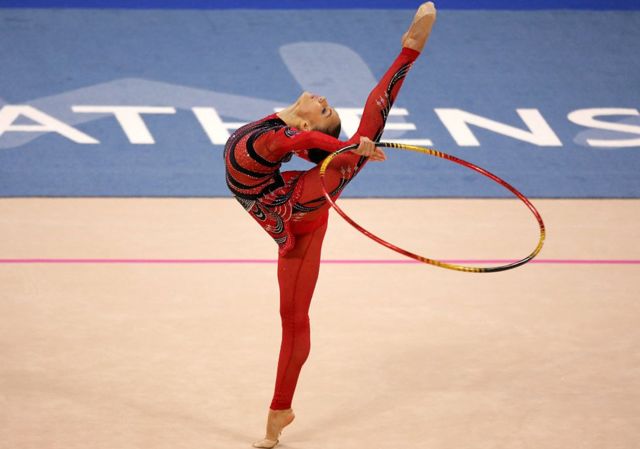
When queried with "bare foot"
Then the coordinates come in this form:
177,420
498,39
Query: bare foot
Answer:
276,421
419,30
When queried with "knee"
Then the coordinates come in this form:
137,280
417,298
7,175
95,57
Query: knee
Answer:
298,327
294,322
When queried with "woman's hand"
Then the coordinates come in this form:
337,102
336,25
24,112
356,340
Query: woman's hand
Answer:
368,149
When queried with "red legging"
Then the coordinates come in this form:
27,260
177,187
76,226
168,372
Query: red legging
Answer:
297,275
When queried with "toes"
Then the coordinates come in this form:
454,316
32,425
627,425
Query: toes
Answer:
266,443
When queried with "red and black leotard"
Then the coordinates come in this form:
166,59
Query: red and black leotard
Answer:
255,152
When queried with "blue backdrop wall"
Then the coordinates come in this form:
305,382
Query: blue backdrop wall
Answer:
121,102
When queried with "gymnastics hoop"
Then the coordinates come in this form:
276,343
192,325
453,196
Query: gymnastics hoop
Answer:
438,263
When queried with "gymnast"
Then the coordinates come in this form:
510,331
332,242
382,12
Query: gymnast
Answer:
290,205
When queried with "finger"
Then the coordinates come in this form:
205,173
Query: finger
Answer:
379,156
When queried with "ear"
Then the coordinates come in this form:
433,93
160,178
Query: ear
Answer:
305,125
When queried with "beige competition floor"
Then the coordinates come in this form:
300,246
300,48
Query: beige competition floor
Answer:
181,355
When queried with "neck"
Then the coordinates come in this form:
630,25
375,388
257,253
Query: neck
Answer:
290,117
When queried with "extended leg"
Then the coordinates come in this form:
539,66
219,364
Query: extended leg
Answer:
311,204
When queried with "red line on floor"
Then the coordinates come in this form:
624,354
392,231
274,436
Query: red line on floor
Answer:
326,261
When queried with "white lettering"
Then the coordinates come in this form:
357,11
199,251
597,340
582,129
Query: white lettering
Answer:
129,118
45,123
457,122
216,129
585,117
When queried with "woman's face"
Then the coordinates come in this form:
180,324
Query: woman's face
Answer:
317,112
